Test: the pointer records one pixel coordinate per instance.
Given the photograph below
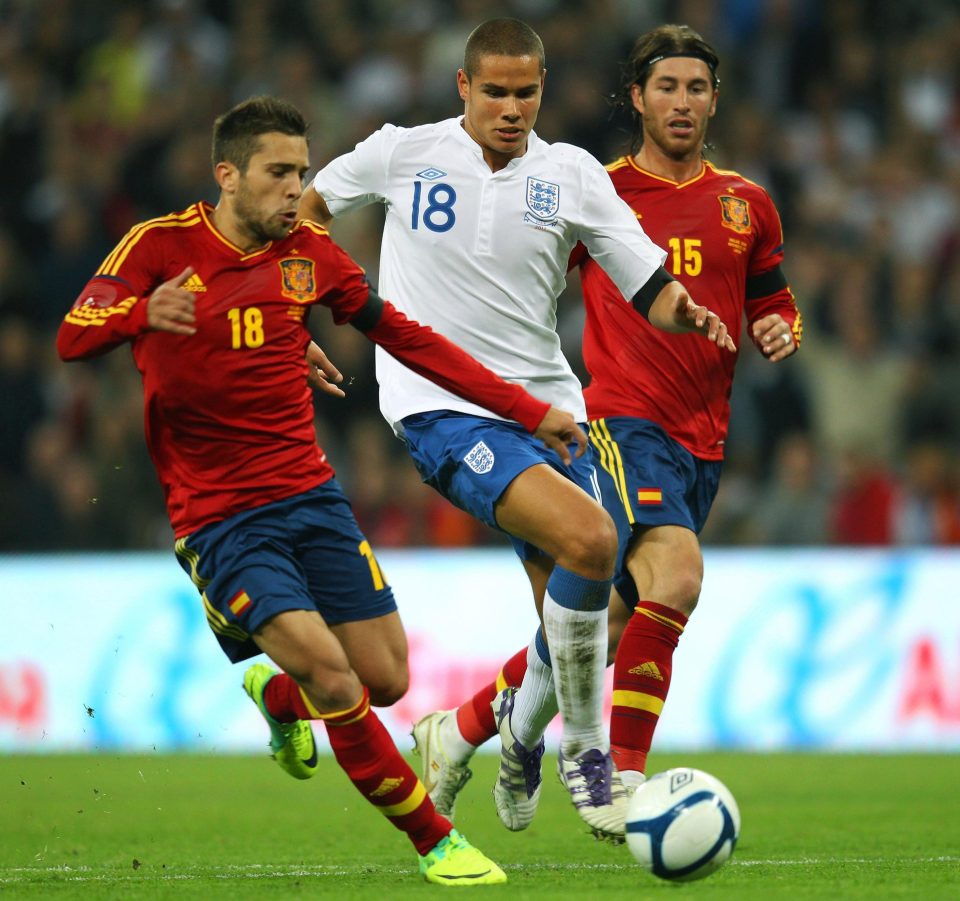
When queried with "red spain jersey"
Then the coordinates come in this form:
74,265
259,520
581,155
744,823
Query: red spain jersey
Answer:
228,414
722,234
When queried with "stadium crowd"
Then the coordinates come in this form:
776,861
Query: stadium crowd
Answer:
849,113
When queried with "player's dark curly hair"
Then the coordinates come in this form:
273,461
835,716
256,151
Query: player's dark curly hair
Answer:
501,37
660,43
236,133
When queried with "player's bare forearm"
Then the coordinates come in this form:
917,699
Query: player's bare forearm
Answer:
674,310
558,430
313,207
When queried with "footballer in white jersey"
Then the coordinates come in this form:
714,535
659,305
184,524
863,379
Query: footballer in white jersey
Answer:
481,217
481,256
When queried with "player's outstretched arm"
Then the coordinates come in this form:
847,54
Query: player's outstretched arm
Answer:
674,310
558,430
431,355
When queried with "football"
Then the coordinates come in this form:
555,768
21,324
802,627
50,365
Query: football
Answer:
682,824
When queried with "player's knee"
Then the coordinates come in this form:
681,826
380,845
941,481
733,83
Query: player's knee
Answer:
594,546
331,689
685,590
385,692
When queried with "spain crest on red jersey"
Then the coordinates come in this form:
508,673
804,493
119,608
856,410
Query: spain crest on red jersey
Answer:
735,213
298,279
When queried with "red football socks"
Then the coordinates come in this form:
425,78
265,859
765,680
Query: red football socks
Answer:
475,716
641,680
369,757
285,701
365,750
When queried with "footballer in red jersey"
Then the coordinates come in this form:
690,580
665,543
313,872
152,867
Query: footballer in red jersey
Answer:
659,410
228,412
724,241
658,404
215,303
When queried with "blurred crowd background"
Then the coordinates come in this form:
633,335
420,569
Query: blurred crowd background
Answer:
847,111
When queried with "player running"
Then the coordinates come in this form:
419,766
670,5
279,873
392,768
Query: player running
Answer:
215,303
481,217
658,404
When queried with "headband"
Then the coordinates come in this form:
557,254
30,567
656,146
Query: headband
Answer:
691,54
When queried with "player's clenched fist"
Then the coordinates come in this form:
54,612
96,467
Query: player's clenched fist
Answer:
170,307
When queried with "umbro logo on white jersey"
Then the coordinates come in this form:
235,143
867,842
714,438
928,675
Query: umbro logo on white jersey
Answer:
430,173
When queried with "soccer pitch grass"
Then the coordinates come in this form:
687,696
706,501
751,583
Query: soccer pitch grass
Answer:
197,826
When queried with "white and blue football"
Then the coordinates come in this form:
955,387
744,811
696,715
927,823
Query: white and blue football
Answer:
682,824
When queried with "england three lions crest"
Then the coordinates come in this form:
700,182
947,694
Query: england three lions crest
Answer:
543,198
297,279
480,458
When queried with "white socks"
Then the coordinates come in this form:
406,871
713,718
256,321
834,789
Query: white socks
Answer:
578,650
535,704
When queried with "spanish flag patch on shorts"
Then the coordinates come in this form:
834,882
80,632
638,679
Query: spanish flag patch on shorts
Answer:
649,496
239,603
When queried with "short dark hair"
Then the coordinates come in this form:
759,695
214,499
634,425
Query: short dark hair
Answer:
236,132
660,43
501,37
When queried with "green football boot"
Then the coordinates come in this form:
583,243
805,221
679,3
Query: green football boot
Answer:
292,744
454,861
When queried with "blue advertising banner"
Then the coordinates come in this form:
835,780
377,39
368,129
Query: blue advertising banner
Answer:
855,650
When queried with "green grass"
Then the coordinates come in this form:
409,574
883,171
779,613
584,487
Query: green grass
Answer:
152,827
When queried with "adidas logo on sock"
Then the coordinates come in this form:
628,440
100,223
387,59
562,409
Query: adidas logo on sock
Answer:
385,787
648,669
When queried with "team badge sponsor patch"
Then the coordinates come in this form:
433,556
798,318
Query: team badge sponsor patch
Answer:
298,279
649,496
430,173
480,459
543,198
735,213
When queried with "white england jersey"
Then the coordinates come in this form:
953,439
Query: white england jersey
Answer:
481,256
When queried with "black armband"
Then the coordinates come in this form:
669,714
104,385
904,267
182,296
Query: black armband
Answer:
369,314
644,298
766,283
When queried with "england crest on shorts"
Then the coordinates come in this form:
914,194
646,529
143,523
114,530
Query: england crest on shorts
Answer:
480,459
543,198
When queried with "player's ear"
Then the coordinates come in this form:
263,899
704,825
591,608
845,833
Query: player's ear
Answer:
227,176
636,98
463,84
